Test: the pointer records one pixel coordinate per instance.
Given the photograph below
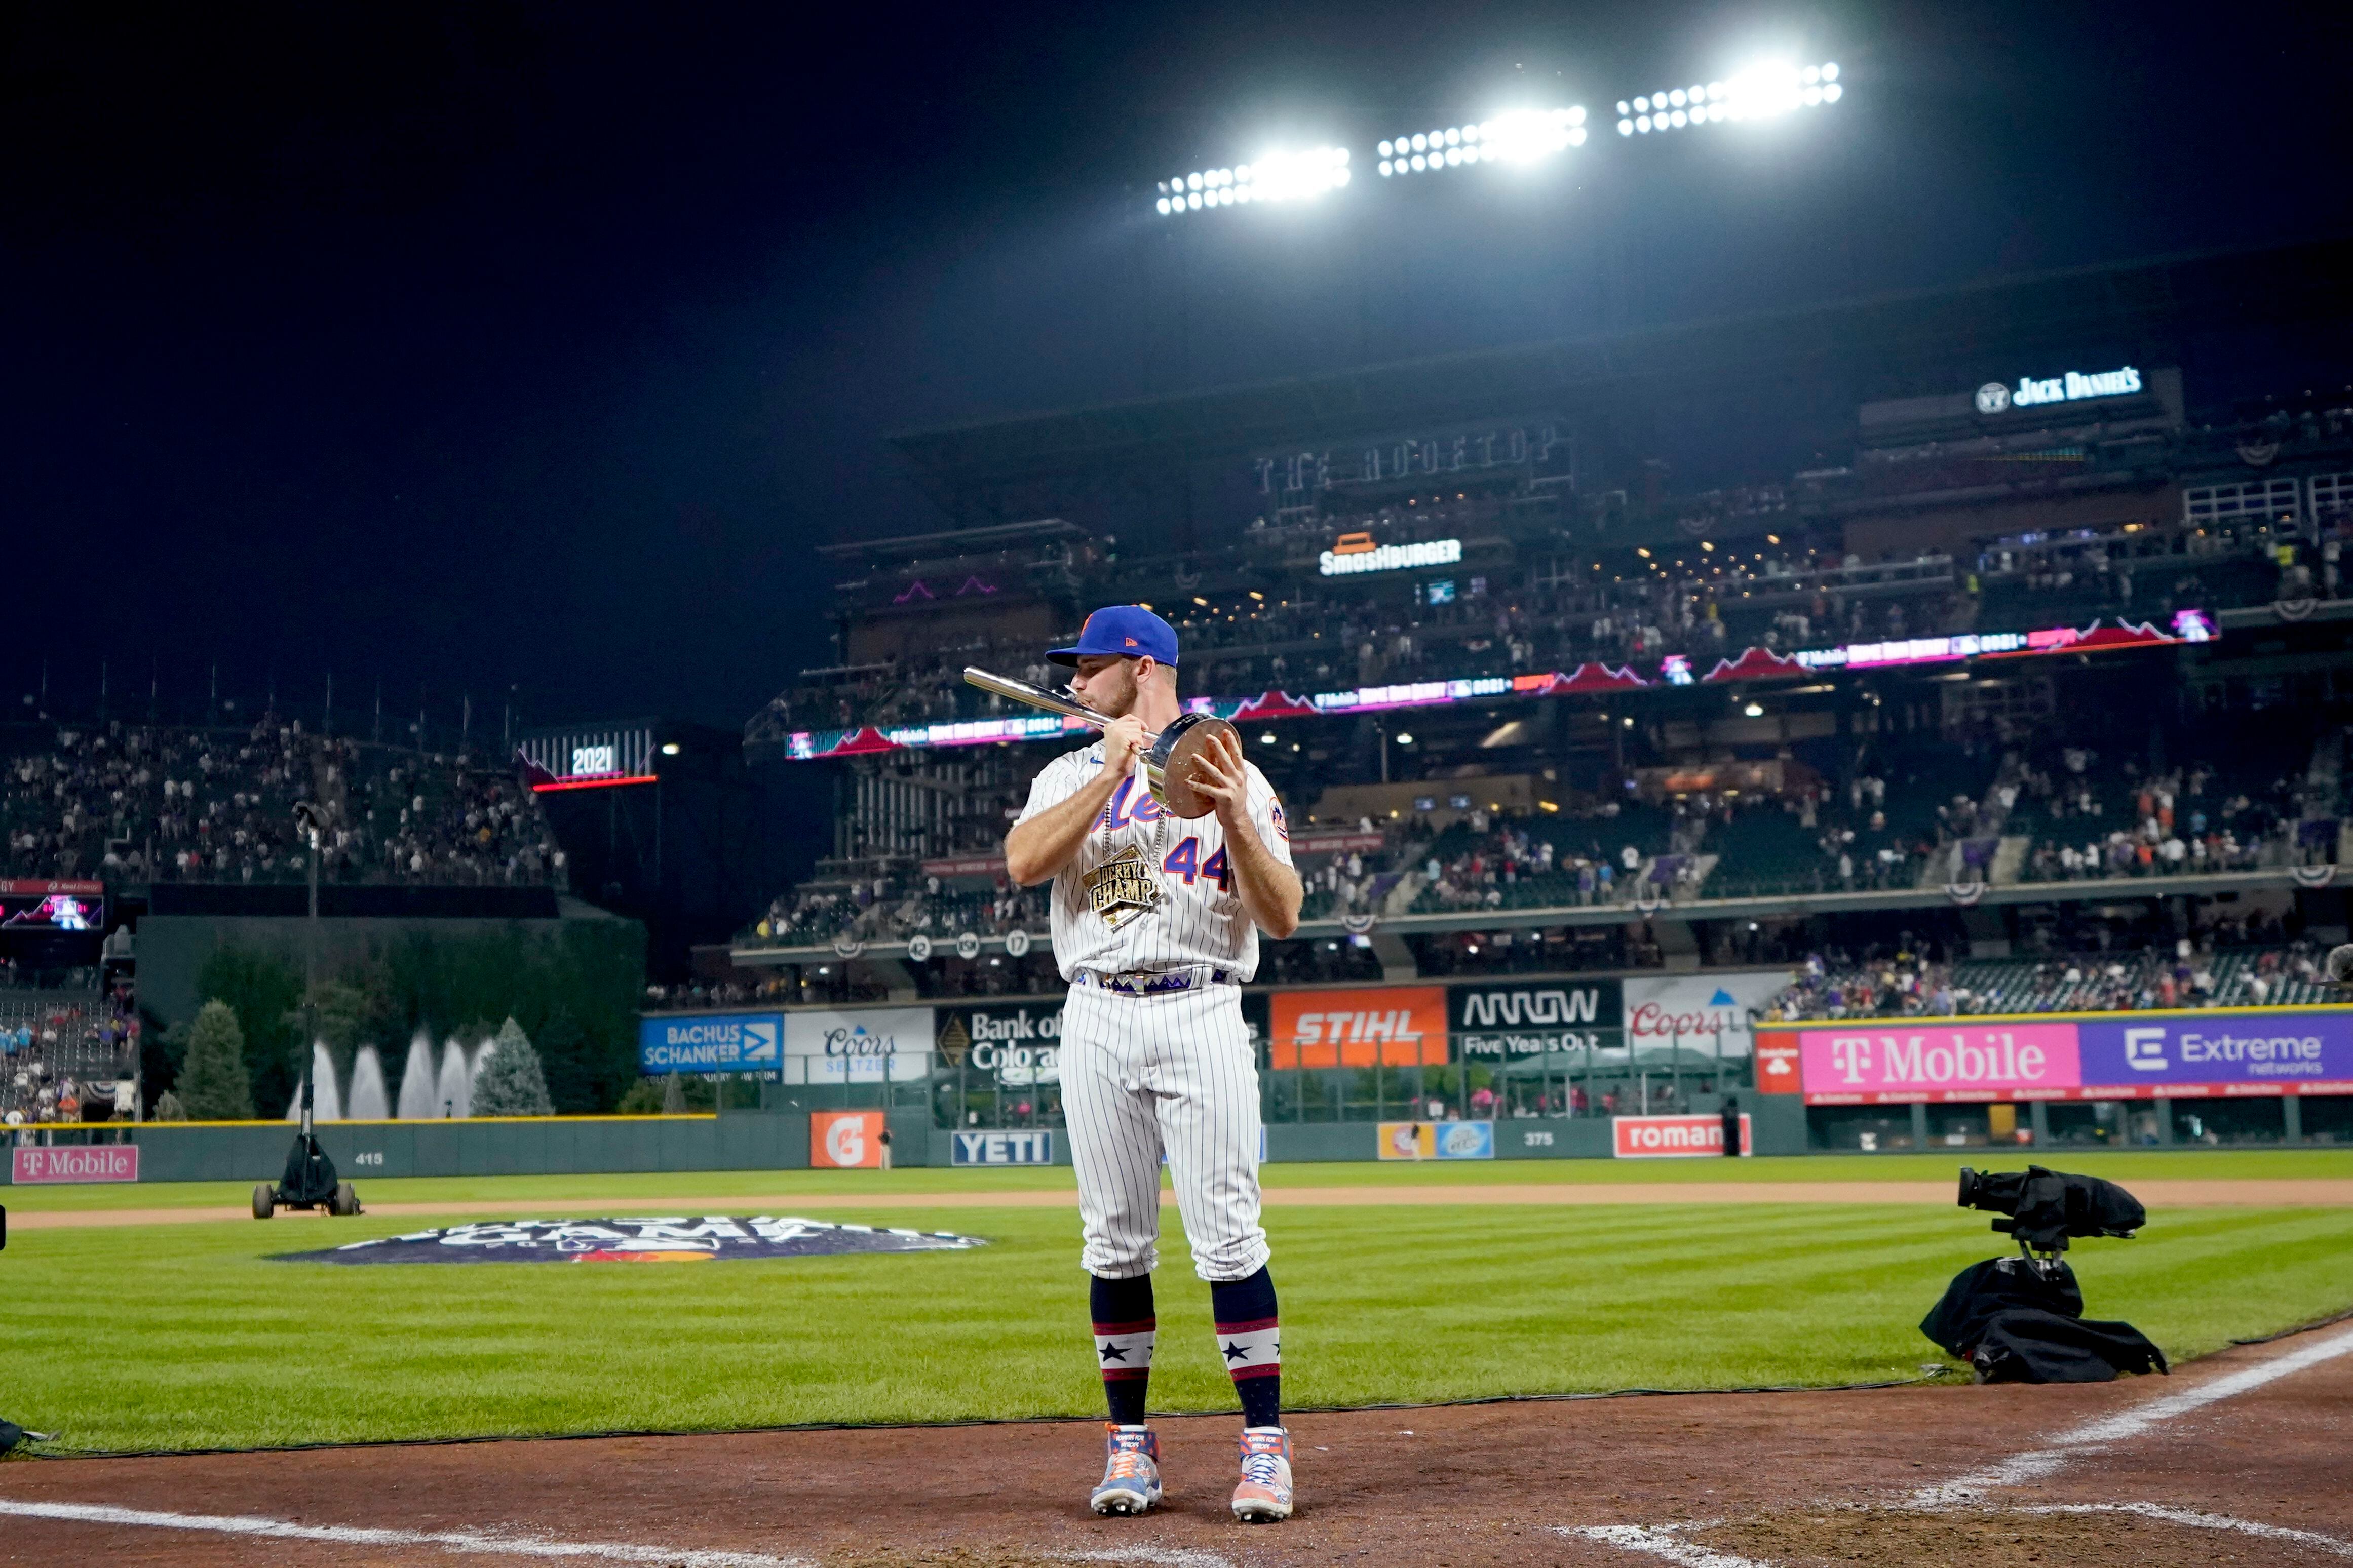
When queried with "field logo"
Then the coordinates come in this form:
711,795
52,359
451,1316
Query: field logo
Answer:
1671,1137
704,1238
1002,1148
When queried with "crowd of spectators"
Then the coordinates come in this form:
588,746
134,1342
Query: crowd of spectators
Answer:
898,902
1909,980
2128,823
67,1057
142,802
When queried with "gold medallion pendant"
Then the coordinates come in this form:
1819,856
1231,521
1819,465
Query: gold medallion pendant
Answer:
1122,887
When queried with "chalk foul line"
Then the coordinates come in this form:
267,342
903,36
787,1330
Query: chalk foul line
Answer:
1664,1544
2099,1433
1668,1543
475,1542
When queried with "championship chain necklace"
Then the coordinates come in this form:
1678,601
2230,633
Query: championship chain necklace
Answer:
1127,874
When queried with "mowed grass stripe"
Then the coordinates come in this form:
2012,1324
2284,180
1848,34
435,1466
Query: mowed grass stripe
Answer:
192,1339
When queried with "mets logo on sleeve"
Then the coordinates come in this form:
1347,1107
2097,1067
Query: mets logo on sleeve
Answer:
1121,887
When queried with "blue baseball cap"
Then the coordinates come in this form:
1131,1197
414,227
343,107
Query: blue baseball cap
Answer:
1125,631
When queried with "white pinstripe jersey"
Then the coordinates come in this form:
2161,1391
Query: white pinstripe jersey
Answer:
1196,916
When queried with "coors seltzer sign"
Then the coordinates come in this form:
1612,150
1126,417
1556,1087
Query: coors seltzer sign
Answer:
99,1163
1503,1022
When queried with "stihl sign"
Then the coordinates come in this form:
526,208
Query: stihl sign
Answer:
1401,1026
1671,1137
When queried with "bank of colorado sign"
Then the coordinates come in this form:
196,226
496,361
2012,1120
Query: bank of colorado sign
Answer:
101,1162
2126,1055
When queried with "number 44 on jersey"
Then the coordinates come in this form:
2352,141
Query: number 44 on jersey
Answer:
1186,861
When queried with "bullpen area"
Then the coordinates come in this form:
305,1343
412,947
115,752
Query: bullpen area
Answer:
675,1345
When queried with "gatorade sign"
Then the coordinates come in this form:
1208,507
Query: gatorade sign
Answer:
845,1140
1671,1137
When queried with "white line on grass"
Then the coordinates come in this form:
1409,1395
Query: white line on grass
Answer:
2098,1433
483,1542
2331,1544
1662,1544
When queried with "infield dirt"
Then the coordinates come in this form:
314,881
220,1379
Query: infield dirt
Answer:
1787,1479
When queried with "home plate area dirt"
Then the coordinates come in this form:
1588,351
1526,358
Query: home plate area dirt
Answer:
1701,1481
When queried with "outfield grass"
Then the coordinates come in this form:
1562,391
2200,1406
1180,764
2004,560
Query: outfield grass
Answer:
654,1187
187,1336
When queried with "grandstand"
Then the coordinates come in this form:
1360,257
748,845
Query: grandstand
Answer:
1968,707
146,803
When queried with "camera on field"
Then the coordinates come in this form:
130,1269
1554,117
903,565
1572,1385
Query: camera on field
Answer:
2044,1208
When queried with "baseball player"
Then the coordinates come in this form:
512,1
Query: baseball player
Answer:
1156,927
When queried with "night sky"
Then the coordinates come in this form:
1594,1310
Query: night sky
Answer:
529,348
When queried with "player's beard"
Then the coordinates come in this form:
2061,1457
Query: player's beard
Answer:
1113,692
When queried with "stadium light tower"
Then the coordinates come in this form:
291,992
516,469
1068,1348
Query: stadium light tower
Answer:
1522,136
1760,92
1276,177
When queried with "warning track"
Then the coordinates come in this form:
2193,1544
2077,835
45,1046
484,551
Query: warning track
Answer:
2320,1192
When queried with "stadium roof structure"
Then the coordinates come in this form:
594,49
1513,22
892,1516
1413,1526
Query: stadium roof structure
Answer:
1891,345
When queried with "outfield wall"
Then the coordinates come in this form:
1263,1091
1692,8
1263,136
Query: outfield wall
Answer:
742,1141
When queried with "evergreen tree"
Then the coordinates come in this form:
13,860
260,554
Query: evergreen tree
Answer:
510,1082
213,1084
169,1108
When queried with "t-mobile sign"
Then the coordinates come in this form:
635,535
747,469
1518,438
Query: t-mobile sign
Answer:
1915,1061
104,1162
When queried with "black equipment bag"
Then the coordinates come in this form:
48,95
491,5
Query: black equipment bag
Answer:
2026,1345
1983,1290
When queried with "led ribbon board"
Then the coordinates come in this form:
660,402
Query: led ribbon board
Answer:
1676,669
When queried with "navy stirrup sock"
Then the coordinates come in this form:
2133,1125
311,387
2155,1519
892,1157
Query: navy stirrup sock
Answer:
1248,1342
1124,1331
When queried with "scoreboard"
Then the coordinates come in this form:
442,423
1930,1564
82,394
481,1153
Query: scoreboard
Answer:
52,905
590,757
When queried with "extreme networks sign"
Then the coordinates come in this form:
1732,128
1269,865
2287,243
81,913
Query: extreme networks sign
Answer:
2140,1056
101,1162
2074,386
1357,553
711,1042
1511,1023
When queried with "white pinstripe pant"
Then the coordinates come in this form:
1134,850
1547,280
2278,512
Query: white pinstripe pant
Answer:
1173,1072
